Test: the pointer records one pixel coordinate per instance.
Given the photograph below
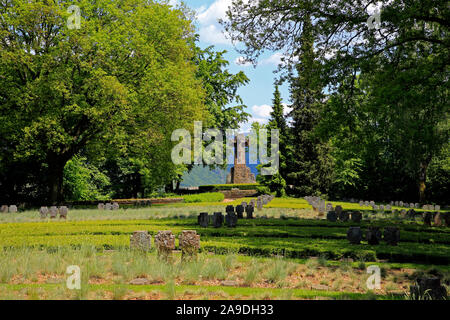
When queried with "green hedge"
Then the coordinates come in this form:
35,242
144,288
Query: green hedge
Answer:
222,187
204,197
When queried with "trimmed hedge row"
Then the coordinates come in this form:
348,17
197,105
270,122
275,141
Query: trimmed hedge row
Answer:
222,187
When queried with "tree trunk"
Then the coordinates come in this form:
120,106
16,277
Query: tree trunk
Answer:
56,172
422,181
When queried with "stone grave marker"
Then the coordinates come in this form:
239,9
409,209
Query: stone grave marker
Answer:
165,243
344,216
329,207
115,206
141,240
203,219
388,207
43,211
332,216
244,204
231,220
249,211
259,204
53,212
361,203
338,210
240,211
189,244
4,209
400,203
354,235
427,216
13,208
437,207
439,220
63,210
217,219
391,235
356,216
428,287
101,206
108,206
373,235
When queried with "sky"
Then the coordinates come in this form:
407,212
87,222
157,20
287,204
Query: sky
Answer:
258,93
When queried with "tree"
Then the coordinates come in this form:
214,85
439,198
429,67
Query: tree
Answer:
309,169
120,84
405,58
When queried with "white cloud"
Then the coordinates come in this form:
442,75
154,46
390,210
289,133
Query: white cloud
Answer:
212,34
208,17
274,59
262,112
240,61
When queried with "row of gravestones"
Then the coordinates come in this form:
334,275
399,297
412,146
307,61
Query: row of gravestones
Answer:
391,235
317,203
189,242
53,212
398,204
231,218
344,216
108,206
10,209
263,200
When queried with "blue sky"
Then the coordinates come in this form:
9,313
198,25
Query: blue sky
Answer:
258,94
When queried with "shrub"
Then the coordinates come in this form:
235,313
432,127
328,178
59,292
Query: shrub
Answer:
221,187
204,197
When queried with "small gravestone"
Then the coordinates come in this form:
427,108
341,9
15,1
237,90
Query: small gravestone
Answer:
354,235
388,207
361,203
141,240
366,204
13,209
253,202
108,206
400,203
391,235
53,212
372,203
356,216
338,210
396,203
343,216
63,210
403,213
244,204
439,220
217,219
231,220
203,219
411,205
375,207
4,209
329,207
437,207
381,207
427,216
416,205
43,211
240,211
229,209
115,206
332,216
189,244
101,206
373,235
165,243
249,211
428,288
259,204
411,214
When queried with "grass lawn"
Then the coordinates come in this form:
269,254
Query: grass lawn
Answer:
293,254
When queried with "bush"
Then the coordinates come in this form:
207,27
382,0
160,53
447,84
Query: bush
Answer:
204,197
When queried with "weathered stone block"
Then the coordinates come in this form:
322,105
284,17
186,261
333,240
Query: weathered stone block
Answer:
63,211
53,212
12,209
240,211
189,244
101,206
141,240
249,210
217,219
356,216
428,288
43,211
165,243
231,220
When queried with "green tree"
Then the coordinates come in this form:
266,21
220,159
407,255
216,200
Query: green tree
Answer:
120,84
